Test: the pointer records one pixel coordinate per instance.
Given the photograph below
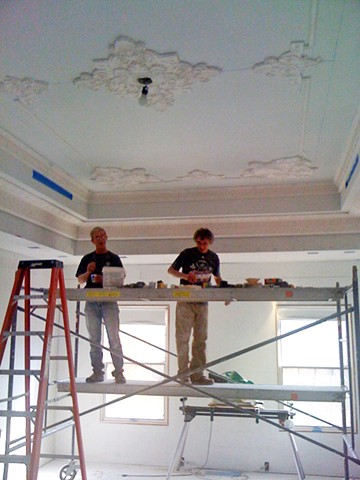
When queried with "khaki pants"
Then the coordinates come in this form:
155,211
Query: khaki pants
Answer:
191,317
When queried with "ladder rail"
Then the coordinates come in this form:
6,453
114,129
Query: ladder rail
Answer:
76,410
35,417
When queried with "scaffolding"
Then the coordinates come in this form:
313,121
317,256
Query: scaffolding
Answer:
170,385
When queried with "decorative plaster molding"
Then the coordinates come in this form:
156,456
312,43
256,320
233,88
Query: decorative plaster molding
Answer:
23,204
325,190
129,60
24,89
281,169
29,158
351,150
231,228
122,178
200,175
290,64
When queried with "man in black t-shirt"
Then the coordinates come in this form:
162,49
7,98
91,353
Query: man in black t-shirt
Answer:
90,272
194,266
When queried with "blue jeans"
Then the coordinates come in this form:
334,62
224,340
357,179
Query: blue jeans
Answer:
95,312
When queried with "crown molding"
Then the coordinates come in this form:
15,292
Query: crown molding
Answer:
215,193
22,204
351,150
33,160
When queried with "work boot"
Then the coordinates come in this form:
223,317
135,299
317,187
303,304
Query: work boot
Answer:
119,377
202,381
95,377
185,380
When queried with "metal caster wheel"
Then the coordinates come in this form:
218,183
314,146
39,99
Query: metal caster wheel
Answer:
68,472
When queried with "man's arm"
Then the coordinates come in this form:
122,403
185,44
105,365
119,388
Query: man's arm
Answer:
83,277
189,277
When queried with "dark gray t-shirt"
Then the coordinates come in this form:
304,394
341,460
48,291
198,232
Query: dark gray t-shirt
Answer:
202,264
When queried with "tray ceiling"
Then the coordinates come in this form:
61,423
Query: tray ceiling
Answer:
243,95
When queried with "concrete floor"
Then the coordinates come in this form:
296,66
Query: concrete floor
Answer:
96,471
133,472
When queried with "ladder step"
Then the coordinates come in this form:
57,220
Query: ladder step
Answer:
15,459
16,413
52,357
54,407
56,455
40,264
19,372
23,334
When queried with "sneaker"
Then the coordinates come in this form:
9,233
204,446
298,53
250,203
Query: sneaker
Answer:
119,377
202,381
95,377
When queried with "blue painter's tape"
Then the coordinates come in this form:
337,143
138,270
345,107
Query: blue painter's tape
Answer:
356,163
49,183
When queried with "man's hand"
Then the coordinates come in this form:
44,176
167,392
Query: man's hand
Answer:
191,277
91,267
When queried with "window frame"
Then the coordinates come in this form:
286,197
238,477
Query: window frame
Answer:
108,397
310,315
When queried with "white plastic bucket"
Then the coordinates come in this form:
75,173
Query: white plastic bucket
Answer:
113,276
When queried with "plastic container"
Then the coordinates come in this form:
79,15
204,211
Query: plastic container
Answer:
113,276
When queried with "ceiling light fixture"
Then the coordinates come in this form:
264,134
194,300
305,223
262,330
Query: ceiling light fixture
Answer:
145,81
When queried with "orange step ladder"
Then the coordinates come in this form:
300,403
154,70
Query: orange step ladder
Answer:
35,415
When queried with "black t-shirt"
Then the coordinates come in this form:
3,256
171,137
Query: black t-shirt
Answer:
202,264
101,260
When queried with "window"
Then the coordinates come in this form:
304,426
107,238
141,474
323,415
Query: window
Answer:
150,324
311,357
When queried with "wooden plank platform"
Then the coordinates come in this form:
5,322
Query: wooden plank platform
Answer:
228,391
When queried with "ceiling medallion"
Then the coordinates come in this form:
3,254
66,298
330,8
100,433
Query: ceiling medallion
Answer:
280,169
24,89
290,64
129,60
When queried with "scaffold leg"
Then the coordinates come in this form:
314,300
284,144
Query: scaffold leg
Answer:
176,459
299,468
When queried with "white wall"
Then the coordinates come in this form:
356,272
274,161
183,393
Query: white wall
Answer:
235,443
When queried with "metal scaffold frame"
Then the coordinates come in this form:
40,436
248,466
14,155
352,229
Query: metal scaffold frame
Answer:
173,385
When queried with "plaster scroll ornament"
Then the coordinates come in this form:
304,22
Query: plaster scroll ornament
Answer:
130,60
291,64
200,175
281,169
122,178
24,89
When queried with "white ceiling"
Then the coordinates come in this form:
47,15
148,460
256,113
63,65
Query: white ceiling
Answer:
281,107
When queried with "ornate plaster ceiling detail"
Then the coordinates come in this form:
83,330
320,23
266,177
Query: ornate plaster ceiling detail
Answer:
24,89
288,168
200,175
281,169
120,177
130,60
290,64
